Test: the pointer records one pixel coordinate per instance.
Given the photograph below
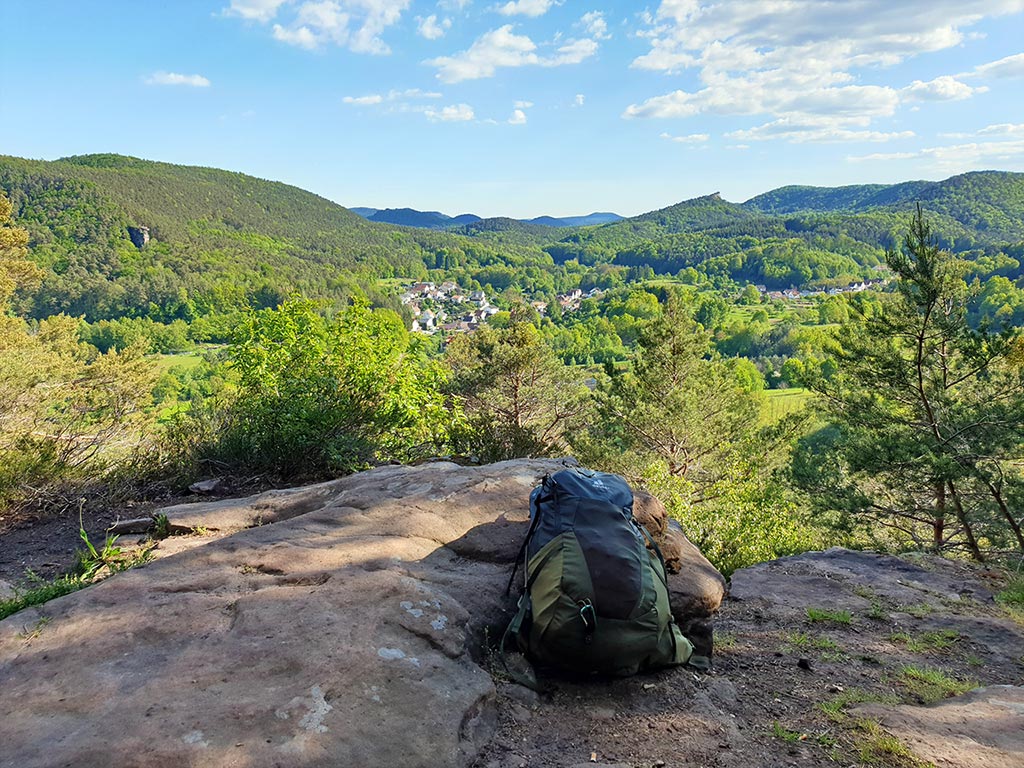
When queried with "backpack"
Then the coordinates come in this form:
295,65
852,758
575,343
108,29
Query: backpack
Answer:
595,599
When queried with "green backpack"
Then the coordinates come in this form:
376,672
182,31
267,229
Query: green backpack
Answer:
595,600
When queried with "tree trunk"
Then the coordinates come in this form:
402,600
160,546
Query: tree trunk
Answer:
939,517
961,515
997,494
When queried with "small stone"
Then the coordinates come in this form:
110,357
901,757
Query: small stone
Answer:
804,664
205,486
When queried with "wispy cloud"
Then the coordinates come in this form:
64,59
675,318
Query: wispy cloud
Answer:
957,157
945,88
256,10
453,113
502,47
531,8
432,29
518,117
394,96
1010,66
595,25
312,24
693,138
173,78
802,59
363,101
821,130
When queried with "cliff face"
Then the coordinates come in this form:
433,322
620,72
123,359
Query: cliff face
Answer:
347,623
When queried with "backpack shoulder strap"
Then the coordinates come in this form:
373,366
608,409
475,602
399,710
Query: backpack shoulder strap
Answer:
545,496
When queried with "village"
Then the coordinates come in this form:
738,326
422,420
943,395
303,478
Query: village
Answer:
449,309
795,293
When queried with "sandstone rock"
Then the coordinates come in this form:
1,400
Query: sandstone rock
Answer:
650,513
7,590
696,588
981,729
339,624
134,525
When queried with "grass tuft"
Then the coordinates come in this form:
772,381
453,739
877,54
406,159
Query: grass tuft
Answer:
927,685
820,614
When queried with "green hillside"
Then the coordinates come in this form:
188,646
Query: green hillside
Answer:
218,240
808,235
222,241
988,206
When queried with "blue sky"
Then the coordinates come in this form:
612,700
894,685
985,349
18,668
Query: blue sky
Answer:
523,107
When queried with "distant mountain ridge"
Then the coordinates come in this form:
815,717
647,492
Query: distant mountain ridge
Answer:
221,241
410,217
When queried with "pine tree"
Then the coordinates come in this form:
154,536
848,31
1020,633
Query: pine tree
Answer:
928,414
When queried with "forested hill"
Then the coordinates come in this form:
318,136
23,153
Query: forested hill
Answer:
811,235
989,203
218,240
221,241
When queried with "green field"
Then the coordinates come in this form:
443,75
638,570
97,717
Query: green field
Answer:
782,402
187,360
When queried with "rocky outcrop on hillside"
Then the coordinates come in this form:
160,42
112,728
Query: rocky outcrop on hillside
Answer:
340,624
347,623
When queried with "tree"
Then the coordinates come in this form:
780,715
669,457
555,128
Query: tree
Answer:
64,410
317,397
927,414
686,425
518,396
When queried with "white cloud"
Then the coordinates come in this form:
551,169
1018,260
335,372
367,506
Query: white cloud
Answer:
523,104
532,8
595,25
945,88
363,101
504,48
353,24
518,117
255,10
431,28
755,95
1002,129
453,5
173,78
572,52
813,130
398,98
693,138
498,48
1011,66
797,59
453,113
959,157
579,100
303,37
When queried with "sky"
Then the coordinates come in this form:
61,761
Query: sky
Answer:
523,107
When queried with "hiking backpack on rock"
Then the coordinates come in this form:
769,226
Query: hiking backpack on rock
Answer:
595,599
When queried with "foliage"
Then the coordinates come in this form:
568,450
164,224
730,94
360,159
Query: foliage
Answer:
317,396
64,410
821,614
41,593
519,399
682,423
927,415
926,685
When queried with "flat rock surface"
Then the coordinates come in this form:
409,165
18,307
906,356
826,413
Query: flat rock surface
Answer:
338,624
982,729
346,624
